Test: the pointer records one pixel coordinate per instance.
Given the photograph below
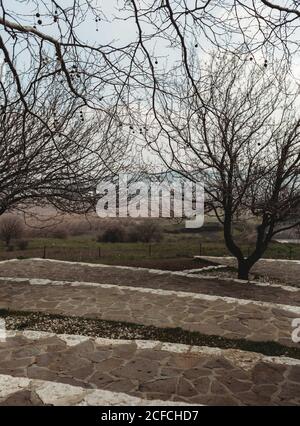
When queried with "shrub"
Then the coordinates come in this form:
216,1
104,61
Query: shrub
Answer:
146,231
59,233
22,244
113,234
79,227
11,227
132,234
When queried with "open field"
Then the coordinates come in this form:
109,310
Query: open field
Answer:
175,252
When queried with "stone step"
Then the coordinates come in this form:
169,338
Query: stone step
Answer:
20,391
134,372
207,314
141,277
287,270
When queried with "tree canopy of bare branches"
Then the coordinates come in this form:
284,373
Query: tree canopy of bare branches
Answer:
55,42
58,74
69,42
240,134
55,154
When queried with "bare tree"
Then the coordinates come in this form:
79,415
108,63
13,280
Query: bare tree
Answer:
56,153
10,227
249,26
45,48
239,133
47,40
170,33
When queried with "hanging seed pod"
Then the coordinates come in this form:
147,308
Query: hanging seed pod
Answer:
97,20
40,22
37,15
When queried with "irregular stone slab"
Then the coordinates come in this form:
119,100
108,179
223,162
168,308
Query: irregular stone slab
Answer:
149,371
283,269
22,392
141,277
208,314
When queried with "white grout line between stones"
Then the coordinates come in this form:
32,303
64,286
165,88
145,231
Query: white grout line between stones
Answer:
243,358
165,272
159,292
61,394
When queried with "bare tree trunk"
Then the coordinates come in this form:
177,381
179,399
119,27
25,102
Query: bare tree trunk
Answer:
243,269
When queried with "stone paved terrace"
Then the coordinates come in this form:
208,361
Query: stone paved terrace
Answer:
20,391
140,277
226,317
282,269
41,368
143,369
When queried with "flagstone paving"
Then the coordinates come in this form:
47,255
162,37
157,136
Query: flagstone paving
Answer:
48,369
232,318
146,370
20,391
139,277
283,269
